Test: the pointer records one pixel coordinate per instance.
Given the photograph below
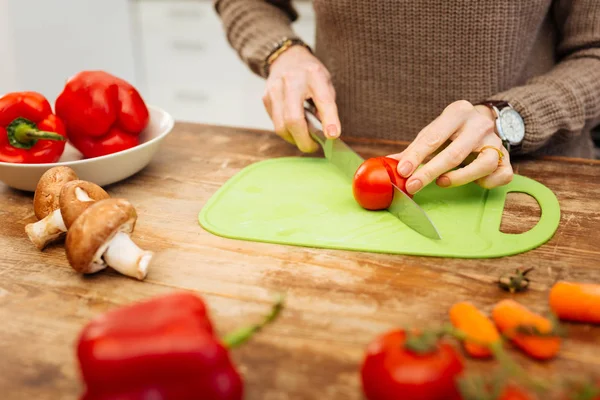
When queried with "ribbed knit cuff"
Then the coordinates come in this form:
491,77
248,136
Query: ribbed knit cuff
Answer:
541,115
560,102
255,27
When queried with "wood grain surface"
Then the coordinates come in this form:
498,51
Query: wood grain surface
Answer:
337,301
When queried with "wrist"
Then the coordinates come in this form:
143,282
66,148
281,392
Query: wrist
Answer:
285,46
509,125
294,53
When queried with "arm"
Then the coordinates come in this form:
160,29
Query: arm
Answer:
567,98
253,27
559,103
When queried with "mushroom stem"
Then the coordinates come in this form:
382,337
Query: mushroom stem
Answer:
123,255
46,230
82,195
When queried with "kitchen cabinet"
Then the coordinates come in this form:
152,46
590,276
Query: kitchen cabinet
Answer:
174,51
189,68
42,43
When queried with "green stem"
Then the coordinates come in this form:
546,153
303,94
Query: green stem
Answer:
24,134
585,390
508,365
241,335
426,341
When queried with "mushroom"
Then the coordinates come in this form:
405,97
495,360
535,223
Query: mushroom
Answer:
99,238
74,197
45,203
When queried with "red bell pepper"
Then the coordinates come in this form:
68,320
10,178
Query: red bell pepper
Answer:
161,349
29,132
103,114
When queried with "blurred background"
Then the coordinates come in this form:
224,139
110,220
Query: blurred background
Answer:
174,51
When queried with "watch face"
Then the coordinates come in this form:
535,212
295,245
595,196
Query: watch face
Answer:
513,126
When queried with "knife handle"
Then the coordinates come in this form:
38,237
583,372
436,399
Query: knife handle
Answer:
315,129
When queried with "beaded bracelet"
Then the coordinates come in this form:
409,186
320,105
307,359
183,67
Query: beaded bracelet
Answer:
279,49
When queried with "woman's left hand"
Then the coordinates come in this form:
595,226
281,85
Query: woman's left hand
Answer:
469,129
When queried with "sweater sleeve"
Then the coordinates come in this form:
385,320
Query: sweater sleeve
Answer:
567,98
253,27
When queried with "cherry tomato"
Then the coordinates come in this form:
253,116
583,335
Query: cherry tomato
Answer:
512,392
372,184
392,372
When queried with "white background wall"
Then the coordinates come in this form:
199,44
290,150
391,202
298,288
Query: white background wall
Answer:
47,41
174,51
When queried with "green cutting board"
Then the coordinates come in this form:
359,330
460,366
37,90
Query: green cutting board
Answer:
308,202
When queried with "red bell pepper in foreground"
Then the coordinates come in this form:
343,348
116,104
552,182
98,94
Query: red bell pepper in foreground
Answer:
161,349
103,114
29,132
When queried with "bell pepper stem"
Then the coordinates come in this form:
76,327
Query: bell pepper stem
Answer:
241,335
23,134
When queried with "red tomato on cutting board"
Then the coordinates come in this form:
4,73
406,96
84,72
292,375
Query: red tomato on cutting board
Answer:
390,371
372,184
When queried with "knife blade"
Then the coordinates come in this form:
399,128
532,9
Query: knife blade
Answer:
347,160
409,212
336,151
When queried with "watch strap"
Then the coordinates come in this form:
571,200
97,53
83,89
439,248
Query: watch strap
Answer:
496,103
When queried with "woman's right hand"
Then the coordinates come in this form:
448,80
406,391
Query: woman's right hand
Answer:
295,76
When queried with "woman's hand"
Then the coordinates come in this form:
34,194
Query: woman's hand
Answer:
469,129
295,76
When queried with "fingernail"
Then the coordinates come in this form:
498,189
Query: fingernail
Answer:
405,169
414,186
443,181
331,131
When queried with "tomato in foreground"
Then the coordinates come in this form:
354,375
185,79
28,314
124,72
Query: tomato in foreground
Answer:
391,371
372,184
513,392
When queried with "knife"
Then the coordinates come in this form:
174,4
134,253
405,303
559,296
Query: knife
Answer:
347,161
336,151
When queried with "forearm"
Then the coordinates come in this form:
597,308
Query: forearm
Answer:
567,98
560,102
254,26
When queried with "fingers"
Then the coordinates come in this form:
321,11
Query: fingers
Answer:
466,140
284,101
293,113
273,101
485,164
323,94
502,176
397,156
434,135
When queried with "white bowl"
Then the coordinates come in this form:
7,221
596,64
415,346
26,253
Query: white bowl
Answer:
102,170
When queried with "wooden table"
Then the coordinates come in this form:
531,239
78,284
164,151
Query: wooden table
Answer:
337,301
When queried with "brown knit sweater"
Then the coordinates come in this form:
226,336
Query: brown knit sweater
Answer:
396,64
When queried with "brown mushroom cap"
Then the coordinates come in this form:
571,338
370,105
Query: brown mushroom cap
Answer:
47,192
70,205
94,228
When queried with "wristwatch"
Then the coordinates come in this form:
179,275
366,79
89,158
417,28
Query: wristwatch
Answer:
509,124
